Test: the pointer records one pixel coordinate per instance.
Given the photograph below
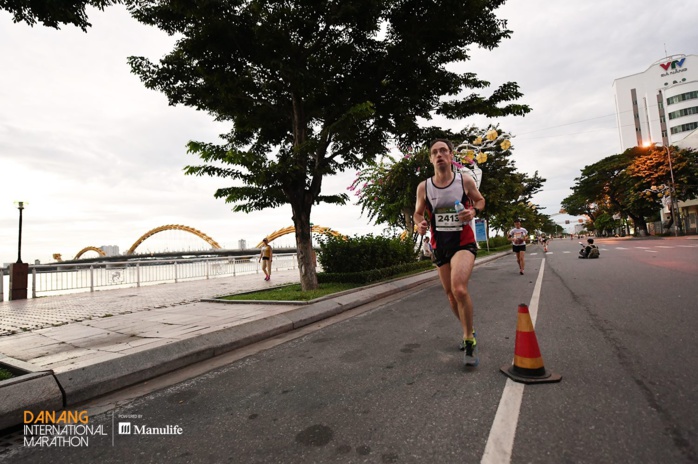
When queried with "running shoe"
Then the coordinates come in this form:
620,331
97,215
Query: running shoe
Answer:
461,345
471,358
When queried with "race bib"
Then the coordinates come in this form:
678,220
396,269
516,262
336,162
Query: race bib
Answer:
447,220
518,238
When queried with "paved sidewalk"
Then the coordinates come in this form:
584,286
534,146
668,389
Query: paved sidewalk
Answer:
80,346
37,313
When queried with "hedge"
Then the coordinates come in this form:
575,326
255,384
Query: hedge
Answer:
372,275
358,254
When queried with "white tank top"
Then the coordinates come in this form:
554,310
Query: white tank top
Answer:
447,230
444,198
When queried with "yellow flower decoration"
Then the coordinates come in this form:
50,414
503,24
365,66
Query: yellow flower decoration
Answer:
477,141
481,157
491,135
505,145
469,154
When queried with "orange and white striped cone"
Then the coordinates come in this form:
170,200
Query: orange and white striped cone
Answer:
528,362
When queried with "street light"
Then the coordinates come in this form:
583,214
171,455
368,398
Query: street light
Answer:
20,207
662,190
19,270
672,192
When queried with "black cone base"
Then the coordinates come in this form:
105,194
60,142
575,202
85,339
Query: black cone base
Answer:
547,377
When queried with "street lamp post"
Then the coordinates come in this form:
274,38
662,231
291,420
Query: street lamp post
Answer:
19,271
20,207
662,189
672,195
672,190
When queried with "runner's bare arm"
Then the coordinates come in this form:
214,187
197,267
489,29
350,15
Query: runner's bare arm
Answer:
476,198
473,193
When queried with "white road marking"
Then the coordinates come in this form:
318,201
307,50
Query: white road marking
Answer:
662,246
650,251
621,248
642,248
688,246
567,252
500,443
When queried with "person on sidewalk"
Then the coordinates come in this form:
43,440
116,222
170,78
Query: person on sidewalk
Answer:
452,238
426,248
517,237
265,257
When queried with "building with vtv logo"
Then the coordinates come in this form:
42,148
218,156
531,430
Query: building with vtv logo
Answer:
659,105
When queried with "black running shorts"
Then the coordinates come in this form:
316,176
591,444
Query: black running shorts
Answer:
443,255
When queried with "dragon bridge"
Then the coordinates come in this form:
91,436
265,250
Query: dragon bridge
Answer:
291,229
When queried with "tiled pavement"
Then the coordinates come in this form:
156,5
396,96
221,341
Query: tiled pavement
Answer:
65,332
28,315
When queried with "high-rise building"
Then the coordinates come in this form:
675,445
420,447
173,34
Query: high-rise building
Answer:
110,250
659,105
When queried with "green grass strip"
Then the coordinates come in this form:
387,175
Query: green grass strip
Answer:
5,374
293,292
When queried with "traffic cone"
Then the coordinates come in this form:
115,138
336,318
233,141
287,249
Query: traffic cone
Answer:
528,362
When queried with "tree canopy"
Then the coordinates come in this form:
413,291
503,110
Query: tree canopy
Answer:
54,13
626,184
316,87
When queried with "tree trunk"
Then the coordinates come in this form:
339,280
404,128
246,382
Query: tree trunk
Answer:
304,247
302,201
640,225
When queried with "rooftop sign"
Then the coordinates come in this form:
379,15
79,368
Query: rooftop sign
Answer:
676,66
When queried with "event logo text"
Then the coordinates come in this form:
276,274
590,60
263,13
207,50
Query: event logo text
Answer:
59,429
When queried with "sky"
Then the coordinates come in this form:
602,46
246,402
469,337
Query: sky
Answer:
99,158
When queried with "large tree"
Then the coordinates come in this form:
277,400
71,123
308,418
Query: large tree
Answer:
606,186
315,87
650,170
622,184
54,13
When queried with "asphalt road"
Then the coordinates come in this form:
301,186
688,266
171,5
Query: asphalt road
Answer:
388,385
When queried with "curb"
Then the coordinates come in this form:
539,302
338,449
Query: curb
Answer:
35,390
42,390
106,376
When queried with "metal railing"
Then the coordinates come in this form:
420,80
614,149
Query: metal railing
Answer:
57,279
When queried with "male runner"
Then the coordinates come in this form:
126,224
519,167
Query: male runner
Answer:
452,238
